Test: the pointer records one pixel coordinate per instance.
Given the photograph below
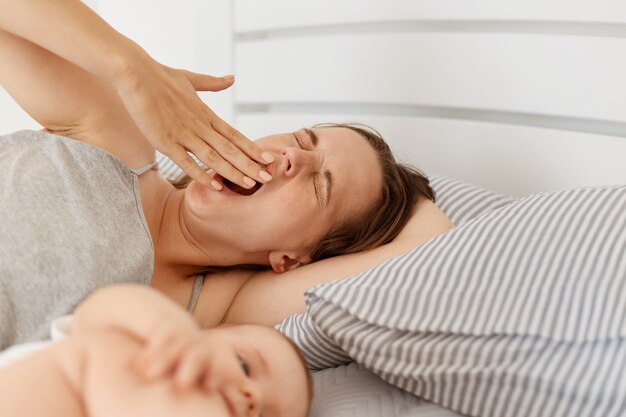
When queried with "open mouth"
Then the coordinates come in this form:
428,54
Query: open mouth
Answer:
239,189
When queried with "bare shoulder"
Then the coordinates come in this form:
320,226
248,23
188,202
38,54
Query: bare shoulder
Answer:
216,296
218,292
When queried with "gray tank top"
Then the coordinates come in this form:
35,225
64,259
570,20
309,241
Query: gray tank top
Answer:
71,221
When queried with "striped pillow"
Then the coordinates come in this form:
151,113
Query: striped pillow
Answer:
168,169
520,312
459,200
462,201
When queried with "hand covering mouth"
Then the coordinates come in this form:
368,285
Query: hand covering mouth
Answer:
239,189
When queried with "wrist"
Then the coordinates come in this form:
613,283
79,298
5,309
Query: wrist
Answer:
125,65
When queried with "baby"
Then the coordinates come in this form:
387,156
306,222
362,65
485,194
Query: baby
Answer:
133,352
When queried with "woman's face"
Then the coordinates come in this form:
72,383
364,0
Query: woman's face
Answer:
321,177
255,371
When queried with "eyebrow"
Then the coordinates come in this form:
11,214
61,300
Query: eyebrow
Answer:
329,176
314,139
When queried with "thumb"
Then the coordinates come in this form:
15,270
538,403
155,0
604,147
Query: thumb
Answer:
203,82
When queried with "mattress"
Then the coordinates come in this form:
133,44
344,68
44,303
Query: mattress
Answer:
352,391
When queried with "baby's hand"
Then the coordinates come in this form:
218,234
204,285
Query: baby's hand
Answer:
196,367
164,350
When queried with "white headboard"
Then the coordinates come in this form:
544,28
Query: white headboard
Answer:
516,96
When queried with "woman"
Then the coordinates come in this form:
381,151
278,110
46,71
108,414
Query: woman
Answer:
83,208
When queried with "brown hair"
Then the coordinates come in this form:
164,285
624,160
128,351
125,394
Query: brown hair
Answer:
402,187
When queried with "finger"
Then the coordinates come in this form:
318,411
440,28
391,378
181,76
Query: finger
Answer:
209,384
191,167
162,359
202,82
248,147
145,357
190,369
211,157
236,158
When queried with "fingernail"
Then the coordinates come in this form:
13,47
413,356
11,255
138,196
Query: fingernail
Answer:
229,77
267,157
249,181
216,185
265,176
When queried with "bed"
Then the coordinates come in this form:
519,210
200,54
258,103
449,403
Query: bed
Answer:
501,100
496,101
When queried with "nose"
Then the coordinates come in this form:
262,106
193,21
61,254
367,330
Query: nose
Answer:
250,398
296,160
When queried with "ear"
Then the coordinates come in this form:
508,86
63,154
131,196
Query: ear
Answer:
283,261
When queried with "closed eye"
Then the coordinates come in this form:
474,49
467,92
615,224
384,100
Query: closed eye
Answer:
318,191
298,141
244,367
316,184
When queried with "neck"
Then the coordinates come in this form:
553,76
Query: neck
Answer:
179,249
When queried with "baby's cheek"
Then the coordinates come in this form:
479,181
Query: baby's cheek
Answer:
217,407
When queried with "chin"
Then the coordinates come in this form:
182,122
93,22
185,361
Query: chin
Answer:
196,194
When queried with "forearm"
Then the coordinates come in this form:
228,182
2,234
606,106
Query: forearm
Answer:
134,308
70,29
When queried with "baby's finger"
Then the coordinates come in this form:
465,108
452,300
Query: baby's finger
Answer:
162,359
209,383
189,369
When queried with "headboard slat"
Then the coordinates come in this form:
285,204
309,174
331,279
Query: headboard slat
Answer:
267,15
546,75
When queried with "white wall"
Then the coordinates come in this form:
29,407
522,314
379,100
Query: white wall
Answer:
491,92
12,117
192,34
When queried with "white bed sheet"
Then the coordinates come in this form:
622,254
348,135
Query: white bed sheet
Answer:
58,331
352,391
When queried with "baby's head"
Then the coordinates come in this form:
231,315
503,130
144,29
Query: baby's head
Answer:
258,372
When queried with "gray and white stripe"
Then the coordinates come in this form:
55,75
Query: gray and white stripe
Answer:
168,169
319,351
462,201
520,312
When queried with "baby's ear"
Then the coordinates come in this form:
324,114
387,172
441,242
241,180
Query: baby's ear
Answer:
283,261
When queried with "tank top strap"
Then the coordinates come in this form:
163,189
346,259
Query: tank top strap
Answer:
195,294
145,168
